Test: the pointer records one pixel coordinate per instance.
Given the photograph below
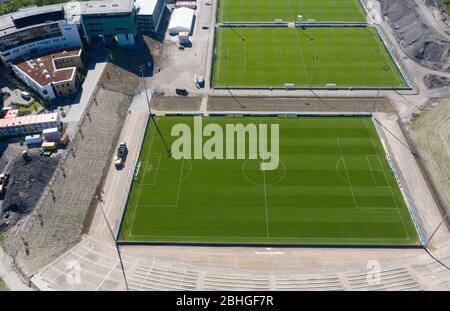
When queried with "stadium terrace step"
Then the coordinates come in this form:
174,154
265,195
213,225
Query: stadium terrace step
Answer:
327,283
286,24
100,271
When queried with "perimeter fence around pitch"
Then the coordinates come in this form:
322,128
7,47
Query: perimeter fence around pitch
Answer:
304,24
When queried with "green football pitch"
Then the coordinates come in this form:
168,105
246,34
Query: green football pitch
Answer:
289,10
309,57
333,186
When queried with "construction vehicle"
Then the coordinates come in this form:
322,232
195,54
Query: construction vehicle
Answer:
64,139
26,156
121,154
4,178
181,92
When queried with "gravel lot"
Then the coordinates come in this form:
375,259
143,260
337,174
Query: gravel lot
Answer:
177,68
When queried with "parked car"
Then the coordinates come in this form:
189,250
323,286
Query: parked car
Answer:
205,27
199,81
181,92
25,95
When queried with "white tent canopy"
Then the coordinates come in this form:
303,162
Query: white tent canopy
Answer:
181,21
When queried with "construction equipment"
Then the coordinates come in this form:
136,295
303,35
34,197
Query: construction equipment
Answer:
181,92
64,139
26,156
4,178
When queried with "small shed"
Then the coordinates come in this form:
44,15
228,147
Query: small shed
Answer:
52,134
182,20
31,140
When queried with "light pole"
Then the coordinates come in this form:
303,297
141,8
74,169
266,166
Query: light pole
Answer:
141,69
385,70
437,228
115,244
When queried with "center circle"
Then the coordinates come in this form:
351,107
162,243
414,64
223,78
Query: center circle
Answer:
253,173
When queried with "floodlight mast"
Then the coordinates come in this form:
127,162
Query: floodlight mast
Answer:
385,70
437,228
117,246
141,69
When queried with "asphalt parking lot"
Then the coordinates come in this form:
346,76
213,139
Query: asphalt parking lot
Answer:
177,68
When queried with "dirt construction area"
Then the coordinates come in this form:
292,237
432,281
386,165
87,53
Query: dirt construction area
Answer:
66,205
431,138
27,182
304,104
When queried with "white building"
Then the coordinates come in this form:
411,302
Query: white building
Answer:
51,75
28,32
150,14
182,20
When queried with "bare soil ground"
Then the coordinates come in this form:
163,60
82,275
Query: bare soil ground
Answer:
415,188
435,81
64,212
9,150
416,32
123,73
27,182
307,104
176,103
431,136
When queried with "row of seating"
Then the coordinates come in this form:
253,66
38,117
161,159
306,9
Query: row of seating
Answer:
100,269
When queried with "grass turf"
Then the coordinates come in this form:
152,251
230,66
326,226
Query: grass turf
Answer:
333,186
310,57
288,10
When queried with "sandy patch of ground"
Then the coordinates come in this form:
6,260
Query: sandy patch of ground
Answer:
176,103
306,104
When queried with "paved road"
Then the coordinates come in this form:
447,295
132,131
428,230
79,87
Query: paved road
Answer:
118,182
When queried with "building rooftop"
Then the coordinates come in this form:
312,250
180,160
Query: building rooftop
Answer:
146,7
28,120
65,53
12,113
106,7
36,10
8,26
42,69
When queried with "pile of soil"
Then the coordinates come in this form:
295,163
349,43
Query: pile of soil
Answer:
418,40
26,184
435,82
